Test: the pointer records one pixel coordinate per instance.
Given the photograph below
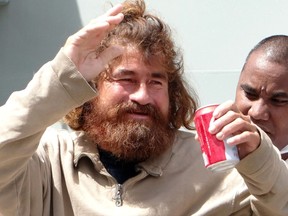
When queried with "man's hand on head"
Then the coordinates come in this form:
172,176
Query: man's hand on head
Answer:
81,47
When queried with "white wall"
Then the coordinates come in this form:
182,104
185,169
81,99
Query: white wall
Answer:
31,32
216,36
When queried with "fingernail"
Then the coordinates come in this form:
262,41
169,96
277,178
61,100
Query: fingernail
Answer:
219,135
211,128
229,140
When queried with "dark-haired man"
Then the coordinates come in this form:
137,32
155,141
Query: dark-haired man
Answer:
262,91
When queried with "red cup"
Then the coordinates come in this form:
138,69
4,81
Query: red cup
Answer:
217,154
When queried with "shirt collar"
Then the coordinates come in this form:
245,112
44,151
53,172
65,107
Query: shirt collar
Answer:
84,147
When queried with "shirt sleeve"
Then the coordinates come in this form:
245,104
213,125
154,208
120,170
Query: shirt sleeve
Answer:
266,176
54,90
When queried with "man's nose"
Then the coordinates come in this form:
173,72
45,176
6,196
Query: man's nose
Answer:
141,95
259,110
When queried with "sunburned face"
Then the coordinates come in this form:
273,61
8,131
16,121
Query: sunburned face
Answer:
135,81
262,93
129,117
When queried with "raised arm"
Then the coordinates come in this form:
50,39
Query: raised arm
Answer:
81,47
58,87
261,166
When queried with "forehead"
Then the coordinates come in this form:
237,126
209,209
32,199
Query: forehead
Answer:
260,73
133,60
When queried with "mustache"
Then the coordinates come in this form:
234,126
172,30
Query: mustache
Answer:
132,107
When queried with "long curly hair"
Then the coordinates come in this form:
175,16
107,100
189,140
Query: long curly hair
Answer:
152,37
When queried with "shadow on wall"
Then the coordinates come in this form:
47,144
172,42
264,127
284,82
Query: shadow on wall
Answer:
31,33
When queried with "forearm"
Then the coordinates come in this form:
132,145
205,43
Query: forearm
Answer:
266,177
54,90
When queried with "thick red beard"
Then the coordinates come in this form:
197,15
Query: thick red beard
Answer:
128,139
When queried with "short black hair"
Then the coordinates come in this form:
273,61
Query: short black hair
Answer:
276,48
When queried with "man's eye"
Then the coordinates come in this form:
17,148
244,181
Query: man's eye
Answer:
279,102
126,80
250,95
156,82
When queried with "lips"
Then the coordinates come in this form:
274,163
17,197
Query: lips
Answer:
139,115
138,112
